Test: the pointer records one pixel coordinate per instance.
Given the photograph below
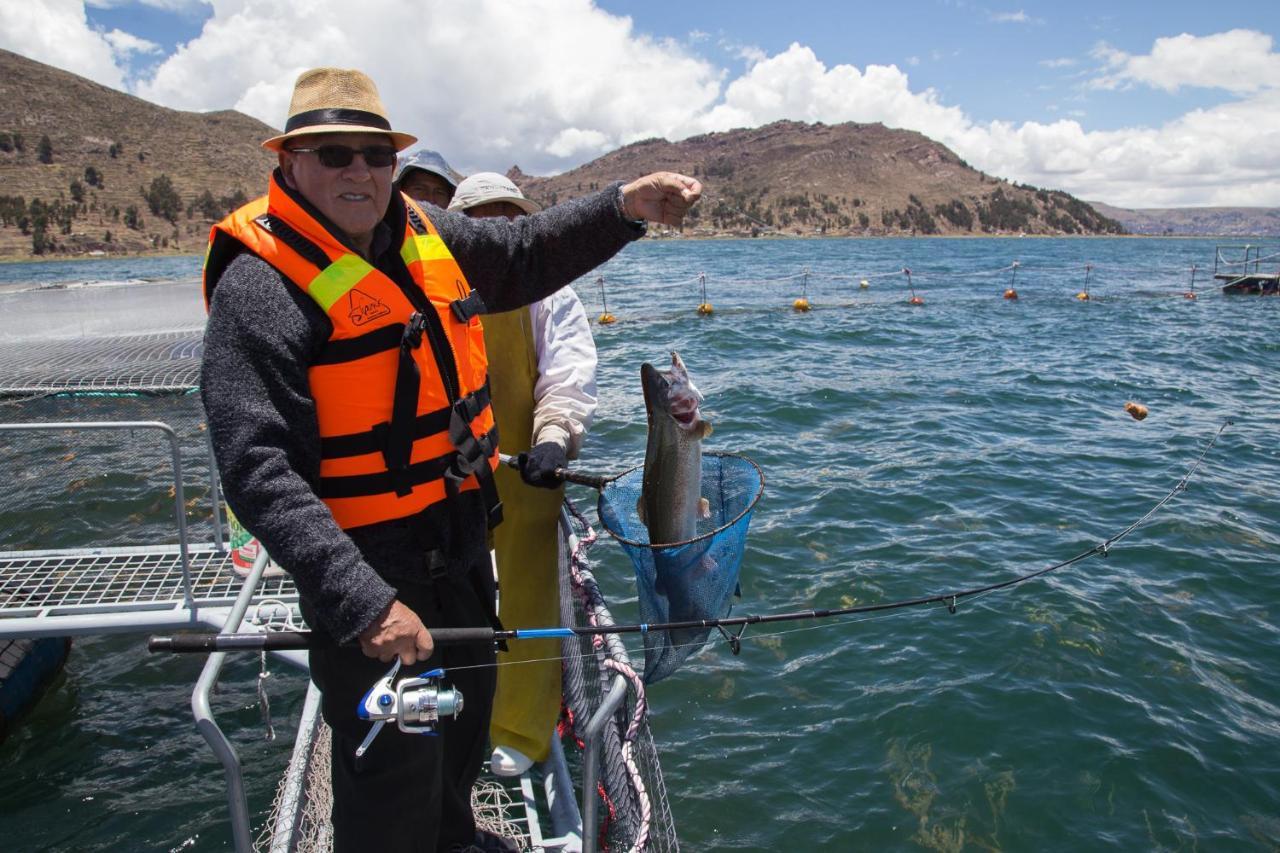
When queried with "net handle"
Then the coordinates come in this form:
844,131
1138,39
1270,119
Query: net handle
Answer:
595,481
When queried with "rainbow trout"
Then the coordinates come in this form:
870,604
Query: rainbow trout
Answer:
671,501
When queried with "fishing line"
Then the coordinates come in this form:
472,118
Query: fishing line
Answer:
214,642
950,599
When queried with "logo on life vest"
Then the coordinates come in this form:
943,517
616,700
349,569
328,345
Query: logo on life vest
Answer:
365,308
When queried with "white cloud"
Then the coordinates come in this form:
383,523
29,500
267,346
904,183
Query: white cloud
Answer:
560,77
125,44
549,84
1239,61
1018,17
1061,62
1200,158
795,84
573,142
57,33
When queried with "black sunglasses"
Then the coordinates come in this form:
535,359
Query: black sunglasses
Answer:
340,156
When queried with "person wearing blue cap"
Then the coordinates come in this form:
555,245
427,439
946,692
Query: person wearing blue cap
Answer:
425,176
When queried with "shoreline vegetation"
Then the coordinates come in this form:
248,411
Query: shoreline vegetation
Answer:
50,258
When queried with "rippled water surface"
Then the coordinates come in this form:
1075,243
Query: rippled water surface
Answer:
1122,703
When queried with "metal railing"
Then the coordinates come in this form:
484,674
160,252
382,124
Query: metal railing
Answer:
179,497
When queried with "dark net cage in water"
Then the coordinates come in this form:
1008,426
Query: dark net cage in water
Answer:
155,363
692,580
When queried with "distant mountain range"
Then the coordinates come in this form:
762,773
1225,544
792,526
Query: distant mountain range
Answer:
85,169
1196,221
794,178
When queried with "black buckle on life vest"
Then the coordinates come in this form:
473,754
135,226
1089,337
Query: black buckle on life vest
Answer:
465,309
472,457
437,565
413,331
472,452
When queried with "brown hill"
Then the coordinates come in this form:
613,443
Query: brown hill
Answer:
796,178
110,148
1196,221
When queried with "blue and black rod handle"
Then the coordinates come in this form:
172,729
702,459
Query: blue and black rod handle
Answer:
292,640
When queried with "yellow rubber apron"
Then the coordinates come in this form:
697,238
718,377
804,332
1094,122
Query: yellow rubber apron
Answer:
527,703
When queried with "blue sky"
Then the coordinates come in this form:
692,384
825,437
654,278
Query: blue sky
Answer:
1142,104
1013,62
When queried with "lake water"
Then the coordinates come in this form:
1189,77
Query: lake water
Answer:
1122,703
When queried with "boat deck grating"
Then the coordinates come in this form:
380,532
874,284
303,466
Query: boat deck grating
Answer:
47,583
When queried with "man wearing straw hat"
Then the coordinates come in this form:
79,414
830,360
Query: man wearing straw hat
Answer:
345,384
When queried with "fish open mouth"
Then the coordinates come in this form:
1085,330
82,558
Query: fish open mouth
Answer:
684,409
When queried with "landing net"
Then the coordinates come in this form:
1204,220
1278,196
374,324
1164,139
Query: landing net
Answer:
692,580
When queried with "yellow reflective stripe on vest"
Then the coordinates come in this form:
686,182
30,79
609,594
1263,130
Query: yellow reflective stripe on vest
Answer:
337,279
424,247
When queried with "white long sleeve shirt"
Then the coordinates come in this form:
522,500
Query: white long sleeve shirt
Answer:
565,391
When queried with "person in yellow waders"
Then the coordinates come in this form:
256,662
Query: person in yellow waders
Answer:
542,373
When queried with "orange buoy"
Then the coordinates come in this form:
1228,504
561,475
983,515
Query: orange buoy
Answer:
607,319
1190,294
1136,410
1011,294
1082,296
705,309
915,300
801,304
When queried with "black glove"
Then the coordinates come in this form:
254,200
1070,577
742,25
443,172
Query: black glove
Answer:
538,466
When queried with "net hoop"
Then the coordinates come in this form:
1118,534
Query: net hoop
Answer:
751,505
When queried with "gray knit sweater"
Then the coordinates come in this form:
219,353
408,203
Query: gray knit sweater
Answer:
262,335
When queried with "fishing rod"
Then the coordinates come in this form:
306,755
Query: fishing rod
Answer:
449,636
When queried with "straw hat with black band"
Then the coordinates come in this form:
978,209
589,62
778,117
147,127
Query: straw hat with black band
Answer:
336,100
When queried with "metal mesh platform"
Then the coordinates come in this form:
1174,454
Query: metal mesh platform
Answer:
156,363
98,515
48,584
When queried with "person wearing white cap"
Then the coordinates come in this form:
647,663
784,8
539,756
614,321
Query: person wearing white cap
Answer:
542,366
344,383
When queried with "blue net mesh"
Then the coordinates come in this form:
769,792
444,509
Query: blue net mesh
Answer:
689,580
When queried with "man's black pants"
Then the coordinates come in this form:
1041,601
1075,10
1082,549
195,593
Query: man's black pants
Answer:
410,792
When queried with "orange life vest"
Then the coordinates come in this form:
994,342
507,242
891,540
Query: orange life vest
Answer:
401,387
